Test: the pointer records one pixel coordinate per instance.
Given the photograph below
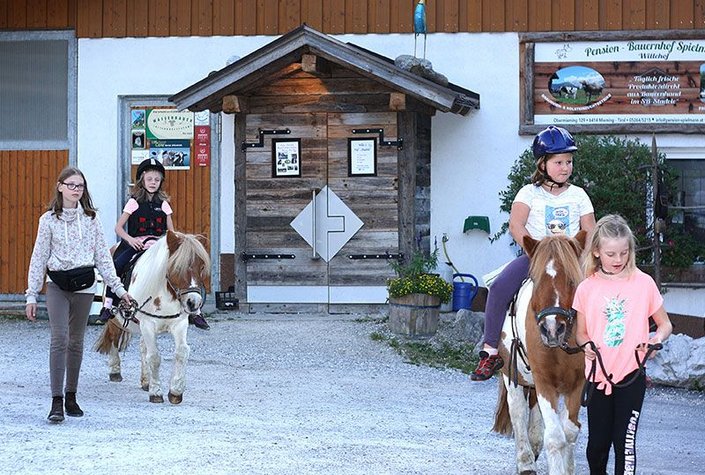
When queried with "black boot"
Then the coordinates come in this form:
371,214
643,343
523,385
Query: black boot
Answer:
199,321
57,409
72,408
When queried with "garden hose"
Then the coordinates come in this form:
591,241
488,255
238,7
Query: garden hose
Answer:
444,240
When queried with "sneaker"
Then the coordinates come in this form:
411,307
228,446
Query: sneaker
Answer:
199,322
105,315
487,366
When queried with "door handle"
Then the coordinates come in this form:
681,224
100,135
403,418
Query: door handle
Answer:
314,254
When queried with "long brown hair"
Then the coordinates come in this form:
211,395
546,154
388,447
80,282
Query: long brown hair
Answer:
57,202
140,193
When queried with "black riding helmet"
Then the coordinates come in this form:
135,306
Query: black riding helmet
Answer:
550,141
150,164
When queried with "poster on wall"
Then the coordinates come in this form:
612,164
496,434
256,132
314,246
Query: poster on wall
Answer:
639,83
166,135
173,154
362,157
286,158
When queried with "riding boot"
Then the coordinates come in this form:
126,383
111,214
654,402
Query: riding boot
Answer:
57,409
72,408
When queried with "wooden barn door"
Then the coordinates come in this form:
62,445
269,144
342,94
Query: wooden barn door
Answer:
28,179
315,234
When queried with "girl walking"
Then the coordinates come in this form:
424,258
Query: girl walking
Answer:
69,244
613,307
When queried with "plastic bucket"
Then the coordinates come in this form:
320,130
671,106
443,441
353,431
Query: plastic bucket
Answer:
464,292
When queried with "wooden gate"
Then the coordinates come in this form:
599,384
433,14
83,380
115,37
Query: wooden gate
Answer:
27,179
283,266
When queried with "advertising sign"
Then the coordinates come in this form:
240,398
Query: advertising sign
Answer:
640,82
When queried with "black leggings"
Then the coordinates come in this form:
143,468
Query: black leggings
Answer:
613,421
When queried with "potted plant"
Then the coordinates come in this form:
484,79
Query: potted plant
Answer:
416,294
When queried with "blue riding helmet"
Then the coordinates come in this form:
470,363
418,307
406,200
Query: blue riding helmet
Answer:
552,140
150,164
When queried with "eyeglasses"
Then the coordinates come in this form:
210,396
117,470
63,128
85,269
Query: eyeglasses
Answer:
74,186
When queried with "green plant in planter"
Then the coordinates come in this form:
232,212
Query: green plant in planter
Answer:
416,277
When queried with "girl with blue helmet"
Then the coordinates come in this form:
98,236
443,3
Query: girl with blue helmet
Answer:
550,204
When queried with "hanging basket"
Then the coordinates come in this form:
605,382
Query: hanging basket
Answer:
414,314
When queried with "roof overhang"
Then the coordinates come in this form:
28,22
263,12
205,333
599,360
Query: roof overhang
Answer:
208,93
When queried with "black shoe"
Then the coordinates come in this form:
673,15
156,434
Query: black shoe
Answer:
72,407
199,321
57,409
105,315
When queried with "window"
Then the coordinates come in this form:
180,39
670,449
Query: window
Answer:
36,84
690,194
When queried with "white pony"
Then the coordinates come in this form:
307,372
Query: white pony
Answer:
167,285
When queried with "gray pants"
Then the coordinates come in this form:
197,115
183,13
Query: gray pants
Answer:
68,317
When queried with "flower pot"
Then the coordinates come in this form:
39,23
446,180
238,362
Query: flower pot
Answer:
414,314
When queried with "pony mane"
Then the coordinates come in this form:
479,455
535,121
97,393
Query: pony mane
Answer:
564,251
190,255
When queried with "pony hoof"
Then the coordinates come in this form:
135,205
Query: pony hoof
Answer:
156,399
175,398
145,387
115,377
527,472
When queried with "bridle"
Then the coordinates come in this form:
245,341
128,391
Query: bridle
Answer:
518,350
193,289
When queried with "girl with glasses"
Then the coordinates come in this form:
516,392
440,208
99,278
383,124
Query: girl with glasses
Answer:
70,237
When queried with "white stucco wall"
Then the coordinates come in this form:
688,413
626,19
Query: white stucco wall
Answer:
471,156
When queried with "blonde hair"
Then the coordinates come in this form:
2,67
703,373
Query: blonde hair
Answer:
57,202
611,226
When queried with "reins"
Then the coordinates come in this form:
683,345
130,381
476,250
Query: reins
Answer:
590,382
516,349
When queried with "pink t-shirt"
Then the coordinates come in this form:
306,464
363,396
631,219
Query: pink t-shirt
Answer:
617,317
132,205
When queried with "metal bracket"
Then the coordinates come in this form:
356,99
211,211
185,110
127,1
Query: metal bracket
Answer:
399,143
262,133
386,256
246,256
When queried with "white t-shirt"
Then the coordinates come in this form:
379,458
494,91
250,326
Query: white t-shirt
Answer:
554,214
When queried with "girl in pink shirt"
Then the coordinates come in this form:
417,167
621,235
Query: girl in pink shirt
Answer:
613,307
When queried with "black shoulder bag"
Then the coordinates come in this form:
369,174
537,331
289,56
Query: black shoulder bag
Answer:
73,280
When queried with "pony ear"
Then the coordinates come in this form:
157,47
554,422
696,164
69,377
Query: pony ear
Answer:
202,239
529,245
173,240
581,237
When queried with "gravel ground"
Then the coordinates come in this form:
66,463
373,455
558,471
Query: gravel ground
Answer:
287,395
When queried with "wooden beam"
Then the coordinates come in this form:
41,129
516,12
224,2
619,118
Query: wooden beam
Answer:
234,104
308,63
397,101
312,64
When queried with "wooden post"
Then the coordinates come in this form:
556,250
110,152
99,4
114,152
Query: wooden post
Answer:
657,226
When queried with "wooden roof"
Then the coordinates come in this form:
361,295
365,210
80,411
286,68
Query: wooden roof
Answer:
262,64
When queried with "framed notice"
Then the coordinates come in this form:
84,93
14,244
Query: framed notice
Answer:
616,82
362,157
286,158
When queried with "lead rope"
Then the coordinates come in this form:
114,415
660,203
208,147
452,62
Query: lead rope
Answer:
590,383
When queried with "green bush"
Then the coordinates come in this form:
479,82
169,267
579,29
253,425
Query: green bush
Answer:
615,173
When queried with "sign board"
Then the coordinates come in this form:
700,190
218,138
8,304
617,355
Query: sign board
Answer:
641,84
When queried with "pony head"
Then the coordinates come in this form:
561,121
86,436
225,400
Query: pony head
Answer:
187,270
555,271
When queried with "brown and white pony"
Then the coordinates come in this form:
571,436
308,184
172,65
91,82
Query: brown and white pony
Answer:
540,391
167,285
